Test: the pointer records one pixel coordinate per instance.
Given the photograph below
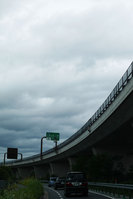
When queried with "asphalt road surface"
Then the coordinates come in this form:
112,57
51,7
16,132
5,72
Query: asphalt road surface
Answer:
50,193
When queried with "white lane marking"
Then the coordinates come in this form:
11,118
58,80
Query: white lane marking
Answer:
102,194
56,192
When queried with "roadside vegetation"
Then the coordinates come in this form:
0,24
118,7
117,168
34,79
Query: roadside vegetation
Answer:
26,189
29,188
6,174
104,168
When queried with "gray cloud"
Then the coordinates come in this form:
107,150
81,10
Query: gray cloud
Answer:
58,63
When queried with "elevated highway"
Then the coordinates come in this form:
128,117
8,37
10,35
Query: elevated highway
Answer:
109,130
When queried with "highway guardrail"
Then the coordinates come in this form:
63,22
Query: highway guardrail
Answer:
116,190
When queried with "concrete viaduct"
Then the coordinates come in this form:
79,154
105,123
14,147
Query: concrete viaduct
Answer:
109,130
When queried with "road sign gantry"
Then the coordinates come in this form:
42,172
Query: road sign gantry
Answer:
50,136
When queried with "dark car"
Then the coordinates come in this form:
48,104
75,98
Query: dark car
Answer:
51,181
76,183
59,183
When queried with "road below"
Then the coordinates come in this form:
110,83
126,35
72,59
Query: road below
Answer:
51,193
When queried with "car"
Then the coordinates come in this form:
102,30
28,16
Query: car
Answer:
51,181
76,183
59,183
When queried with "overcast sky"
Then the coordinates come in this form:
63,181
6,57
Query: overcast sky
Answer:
59,60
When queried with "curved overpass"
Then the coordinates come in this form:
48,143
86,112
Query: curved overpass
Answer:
108,130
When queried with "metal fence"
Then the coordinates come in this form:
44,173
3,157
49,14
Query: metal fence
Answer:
116,190
118,88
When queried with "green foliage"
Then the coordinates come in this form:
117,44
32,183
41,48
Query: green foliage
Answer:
119,172
81,164
34,186
30,189
100,168
6,173
97,167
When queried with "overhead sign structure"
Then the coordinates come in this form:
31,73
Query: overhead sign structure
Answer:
52,136
12,153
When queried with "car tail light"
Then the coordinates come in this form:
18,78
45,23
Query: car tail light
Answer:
85,184
69,184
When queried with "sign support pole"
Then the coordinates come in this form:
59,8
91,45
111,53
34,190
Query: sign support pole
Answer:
55,144
42,146
5,158
50,136
12,158
21,155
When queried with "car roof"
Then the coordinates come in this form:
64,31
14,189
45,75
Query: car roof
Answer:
75,172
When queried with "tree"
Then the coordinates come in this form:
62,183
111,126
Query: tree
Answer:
97,167
100,168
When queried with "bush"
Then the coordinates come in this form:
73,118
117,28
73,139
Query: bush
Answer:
6,173
30,189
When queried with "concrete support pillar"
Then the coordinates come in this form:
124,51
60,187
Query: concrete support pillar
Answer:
71,161
42,172
25,172
59,168
94,151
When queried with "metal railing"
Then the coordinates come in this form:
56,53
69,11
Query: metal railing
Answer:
116,190
113,95
128,75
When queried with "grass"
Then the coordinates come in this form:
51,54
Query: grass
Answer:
28,189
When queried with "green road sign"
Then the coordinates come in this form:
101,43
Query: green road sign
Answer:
52,136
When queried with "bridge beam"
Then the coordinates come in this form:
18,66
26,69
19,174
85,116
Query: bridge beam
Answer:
72,161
